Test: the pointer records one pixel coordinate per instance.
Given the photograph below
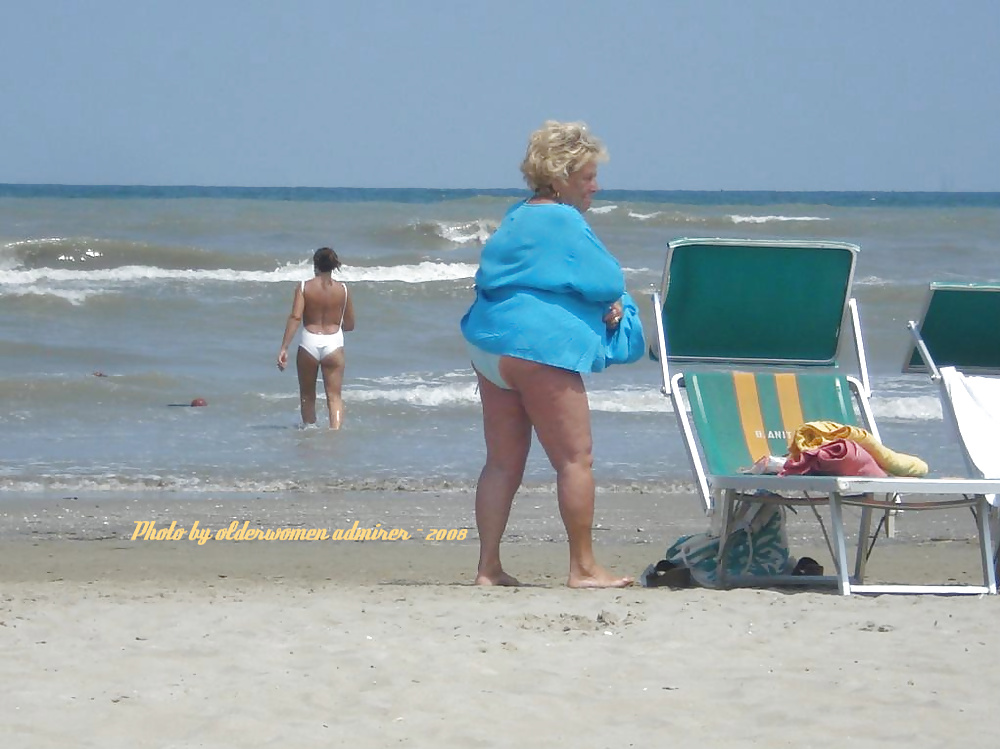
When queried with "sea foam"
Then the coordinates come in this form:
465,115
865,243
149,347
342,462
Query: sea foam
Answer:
412,273
737,219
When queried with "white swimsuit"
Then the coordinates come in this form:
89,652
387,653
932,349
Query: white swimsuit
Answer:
321,345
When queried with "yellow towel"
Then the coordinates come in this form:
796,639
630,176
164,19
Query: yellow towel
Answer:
817,433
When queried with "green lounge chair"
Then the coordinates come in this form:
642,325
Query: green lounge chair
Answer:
959,327
956,341
764,336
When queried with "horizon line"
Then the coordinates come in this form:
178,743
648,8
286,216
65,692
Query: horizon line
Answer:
486,190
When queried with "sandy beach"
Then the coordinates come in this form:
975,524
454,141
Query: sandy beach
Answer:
111,641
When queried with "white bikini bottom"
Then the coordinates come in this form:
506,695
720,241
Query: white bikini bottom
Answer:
321,345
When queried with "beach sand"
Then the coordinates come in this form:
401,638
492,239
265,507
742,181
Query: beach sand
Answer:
113,642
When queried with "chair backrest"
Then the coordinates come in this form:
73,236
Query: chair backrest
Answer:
743,301
743,416
960,326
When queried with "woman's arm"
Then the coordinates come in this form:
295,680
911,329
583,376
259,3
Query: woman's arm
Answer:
348,323
593,272
294,318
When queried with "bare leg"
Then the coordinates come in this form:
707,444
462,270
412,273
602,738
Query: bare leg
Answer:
307,368
555,401
508,439
333,379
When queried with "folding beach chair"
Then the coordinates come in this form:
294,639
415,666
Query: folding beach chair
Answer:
957,343
758,333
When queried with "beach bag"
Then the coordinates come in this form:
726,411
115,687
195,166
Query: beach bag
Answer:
758,547
628,343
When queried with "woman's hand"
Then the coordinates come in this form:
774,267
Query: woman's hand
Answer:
282,359
613,316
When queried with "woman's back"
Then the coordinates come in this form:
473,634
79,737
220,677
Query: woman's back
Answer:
325,304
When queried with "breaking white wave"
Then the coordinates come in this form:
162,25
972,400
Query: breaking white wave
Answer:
478,230
737,219
419,273
428,396
464,394
44,280
871,281
919,408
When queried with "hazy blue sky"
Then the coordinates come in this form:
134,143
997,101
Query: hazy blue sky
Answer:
699,94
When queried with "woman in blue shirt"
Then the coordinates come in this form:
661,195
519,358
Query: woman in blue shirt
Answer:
548,293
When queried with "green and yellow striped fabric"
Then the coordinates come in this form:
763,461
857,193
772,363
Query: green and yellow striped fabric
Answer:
743,416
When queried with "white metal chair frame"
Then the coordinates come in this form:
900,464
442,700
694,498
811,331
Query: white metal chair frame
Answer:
869,494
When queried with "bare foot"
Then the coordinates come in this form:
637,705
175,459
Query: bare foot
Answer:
500,579
601,578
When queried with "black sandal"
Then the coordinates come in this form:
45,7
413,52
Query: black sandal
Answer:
808,566
666,574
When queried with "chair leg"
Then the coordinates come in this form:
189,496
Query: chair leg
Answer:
892,515
728,510
864,533
994,523
839,544
983,521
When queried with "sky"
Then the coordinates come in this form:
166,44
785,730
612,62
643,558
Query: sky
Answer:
686,94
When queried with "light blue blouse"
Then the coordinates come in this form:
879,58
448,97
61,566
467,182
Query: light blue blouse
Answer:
543,286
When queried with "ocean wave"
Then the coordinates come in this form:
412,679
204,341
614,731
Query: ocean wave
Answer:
464,394
638,272
75,297
473,231
627,218
411,379
737,219
629,401
428,392
873,281
428,396
92,253
419,273
464,232
41,280
919,408
601,209
644,216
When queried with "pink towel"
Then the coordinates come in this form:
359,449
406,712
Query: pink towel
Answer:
835,458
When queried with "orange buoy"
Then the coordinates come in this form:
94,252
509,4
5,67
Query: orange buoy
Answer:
199,402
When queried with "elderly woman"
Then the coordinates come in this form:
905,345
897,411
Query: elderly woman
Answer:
547,295
324,309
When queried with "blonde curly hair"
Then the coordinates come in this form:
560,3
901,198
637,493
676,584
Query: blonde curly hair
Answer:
556,150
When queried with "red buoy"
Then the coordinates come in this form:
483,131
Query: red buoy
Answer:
199,402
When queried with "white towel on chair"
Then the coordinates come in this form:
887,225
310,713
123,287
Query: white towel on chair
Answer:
976,405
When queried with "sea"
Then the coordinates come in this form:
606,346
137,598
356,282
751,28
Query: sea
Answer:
121,305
